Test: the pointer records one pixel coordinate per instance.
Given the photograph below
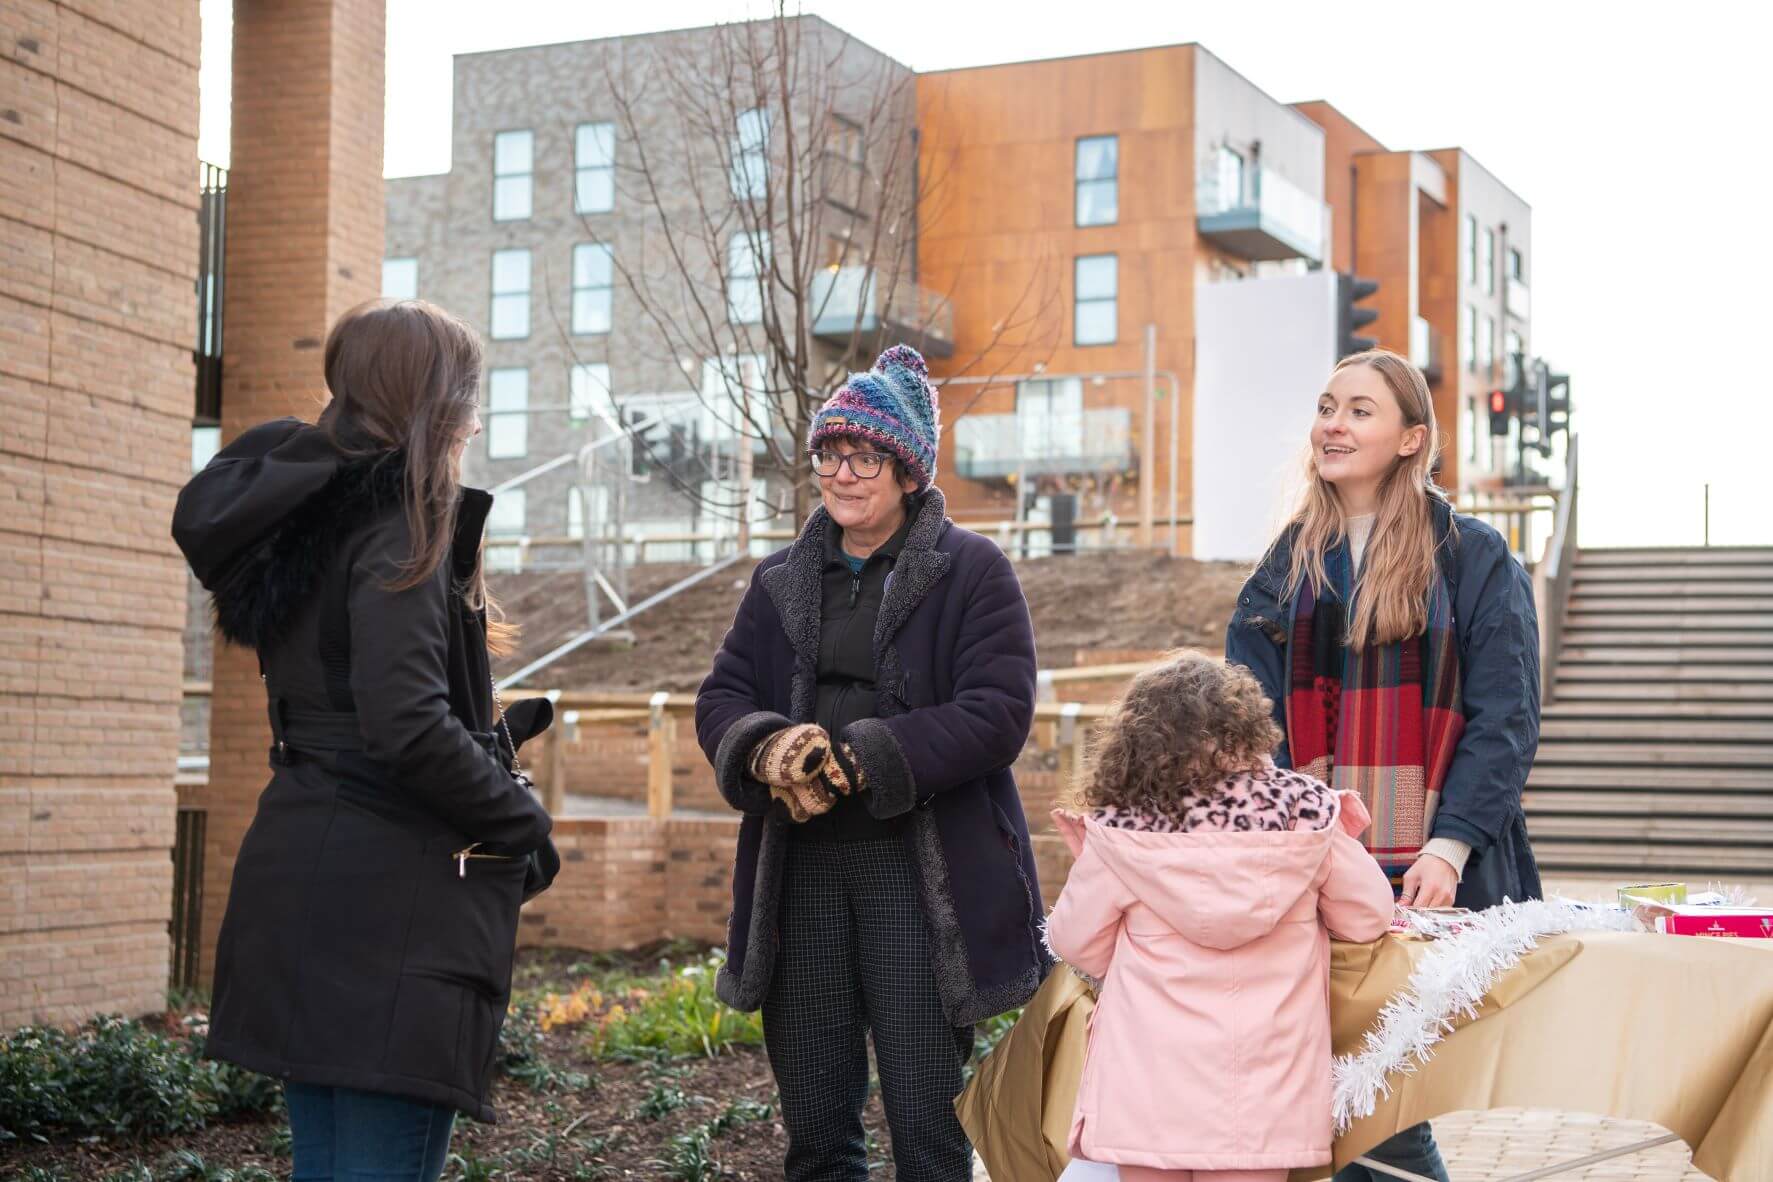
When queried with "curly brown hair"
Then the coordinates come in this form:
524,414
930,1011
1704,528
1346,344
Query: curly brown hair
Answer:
1189,722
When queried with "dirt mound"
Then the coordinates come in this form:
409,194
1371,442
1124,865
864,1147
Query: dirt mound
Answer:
1111,601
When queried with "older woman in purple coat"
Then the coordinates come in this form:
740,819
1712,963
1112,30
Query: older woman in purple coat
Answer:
863,714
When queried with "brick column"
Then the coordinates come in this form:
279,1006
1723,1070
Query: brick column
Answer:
305,213
98,193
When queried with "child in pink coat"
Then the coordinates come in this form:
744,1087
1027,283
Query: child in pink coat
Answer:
1207,885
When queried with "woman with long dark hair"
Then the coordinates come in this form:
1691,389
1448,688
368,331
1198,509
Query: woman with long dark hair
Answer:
1399,645
365,954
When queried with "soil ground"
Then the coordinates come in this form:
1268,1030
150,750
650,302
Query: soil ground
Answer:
1112,601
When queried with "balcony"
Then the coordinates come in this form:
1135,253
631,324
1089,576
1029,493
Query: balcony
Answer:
1257,214
993,447
850,304
1425,348
1516,299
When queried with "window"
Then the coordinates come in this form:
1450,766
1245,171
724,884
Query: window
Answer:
747,261
1098,282
735,397
400,279
1471,255
845,161
594,168
507,414
1474,428
1487,262
1517,266
840,248
1098,180
510,294
575,512
508,518
751,154
593,270
1487,344
589,393
1228,172
1471,338
514,157
1512,347
1049,417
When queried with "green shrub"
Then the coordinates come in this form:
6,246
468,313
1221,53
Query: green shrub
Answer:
738,1114
689,1157
661,1102
118,1078
678,1017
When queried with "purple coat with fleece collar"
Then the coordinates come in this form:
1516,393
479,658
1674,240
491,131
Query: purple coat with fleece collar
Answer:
954,665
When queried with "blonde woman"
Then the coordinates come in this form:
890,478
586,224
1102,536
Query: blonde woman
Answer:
1398,643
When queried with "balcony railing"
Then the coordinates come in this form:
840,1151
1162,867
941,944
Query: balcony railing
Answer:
1425,348
992,447
855,303
1258,214
1518,299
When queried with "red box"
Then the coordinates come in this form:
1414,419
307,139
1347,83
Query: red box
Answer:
1726,924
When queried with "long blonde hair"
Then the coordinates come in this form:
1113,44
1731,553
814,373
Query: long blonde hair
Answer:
1391,597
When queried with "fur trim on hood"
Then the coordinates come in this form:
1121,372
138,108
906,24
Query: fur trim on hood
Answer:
261,524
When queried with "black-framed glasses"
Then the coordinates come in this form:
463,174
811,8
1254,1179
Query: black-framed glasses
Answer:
865,465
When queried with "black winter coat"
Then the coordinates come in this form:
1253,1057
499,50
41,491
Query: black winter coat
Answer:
360,948
954,700
1497,628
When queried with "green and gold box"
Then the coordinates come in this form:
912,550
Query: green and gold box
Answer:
1653,892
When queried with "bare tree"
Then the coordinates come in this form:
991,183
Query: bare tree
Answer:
779,169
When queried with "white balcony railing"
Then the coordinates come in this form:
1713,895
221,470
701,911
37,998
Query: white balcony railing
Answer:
1425,347
991,447
1268,200
1518,299
848,300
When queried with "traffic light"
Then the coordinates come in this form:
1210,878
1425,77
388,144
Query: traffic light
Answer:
1545,405
1498,412
1557,403
1351,289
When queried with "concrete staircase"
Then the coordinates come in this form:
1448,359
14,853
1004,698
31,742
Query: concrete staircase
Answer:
1656,750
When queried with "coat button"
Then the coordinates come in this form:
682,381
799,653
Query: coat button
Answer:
1246,601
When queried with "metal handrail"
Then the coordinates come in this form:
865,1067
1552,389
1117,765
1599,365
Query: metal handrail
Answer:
1553,576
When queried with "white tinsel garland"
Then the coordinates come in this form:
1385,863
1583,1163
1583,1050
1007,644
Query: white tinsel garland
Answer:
1448,983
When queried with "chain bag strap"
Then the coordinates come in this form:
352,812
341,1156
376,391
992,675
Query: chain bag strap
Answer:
517,772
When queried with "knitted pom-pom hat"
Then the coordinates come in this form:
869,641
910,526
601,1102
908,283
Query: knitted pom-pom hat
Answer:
893,407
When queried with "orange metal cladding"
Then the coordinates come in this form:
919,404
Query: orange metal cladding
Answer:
997,231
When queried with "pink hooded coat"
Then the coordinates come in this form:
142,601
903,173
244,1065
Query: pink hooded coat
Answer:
1209,1048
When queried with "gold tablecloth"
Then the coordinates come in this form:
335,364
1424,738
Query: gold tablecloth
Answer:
1669,1029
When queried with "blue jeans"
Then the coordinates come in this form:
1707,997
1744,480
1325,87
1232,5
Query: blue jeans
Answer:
1413,1150
343,1135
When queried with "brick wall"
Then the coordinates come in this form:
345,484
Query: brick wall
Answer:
98,253
609,759
304,245
624,883
628,882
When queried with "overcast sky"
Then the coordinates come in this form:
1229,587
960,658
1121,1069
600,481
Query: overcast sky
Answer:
1636,131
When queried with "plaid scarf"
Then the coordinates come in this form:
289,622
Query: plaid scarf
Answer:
1383,722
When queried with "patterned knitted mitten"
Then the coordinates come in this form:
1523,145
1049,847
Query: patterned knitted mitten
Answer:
840,772
790,762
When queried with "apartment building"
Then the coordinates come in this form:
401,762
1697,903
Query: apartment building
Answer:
575,168
1064,214
1100,192
1451,248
